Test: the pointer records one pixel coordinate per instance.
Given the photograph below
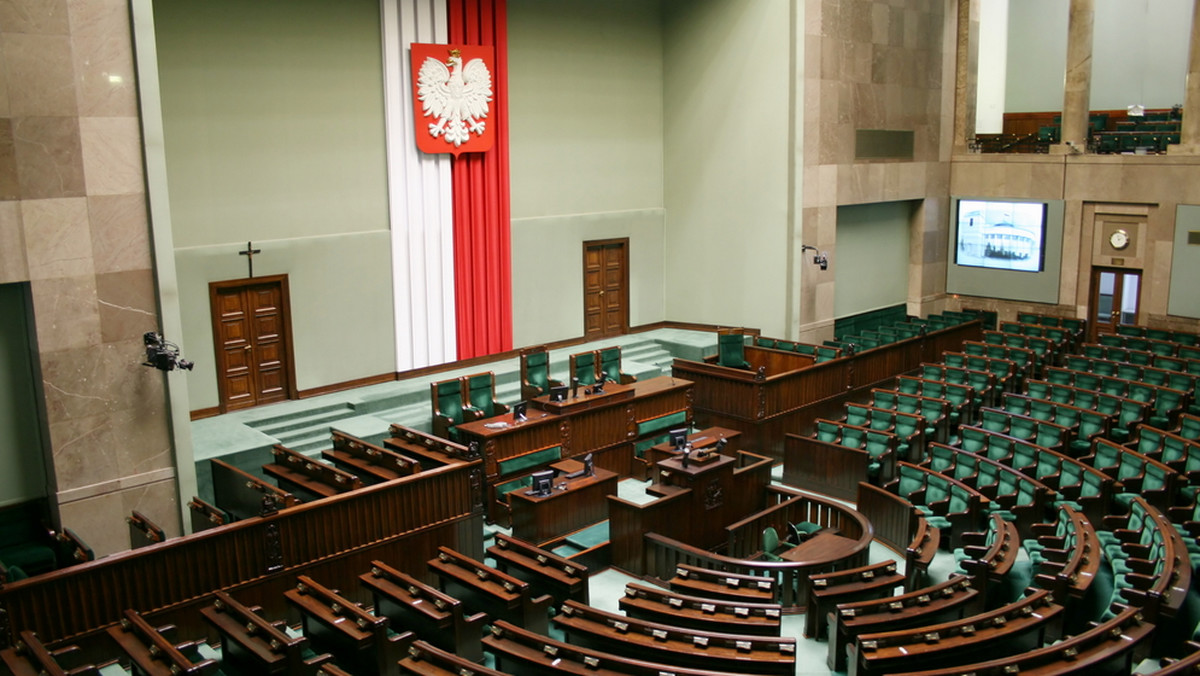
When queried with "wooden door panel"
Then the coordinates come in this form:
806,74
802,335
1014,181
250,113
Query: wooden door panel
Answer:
605,295
250,318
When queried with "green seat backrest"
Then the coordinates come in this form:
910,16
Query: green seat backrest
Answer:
908,385
972,440
911,480
1071,475
999,448
764,342
1085,398
610,363
1023,428
585,368
450,400
481,394
1156,478
1130,467
827,431
1107,455
932,410
1038,389
878,444
731,350
908,403
805,348
907,425
880,421
857,415
1131,412
537,370
960,501
1189,427
932,372
1045,410
1069,417
884,399
1047,464
1150,441
530,460
852,438
936,489
1024,455
942,458
989,475
952,359
1048,436
993,420
1091,423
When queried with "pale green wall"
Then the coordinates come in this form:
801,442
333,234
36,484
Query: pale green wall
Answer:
872,257
1139,54
1185,265
274,132
24,475
273,114
728,94
586,120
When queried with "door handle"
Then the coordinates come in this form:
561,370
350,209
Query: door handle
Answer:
248,347
601,292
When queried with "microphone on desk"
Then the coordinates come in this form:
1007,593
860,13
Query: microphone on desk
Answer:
574,388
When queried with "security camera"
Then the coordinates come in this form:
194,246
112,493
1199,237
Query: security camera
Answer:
822,259
163,355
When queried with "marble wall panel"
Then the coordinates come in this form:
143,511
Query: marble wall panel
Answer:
158,501
127,305
120,233
66,313
10,187
99,520
57,238
40,75
103,60
43,17
12,244
49,157
84,452
112,155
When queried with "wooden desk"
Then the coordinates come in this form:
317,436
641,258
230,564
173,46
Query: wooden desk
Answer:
607,427
822,546
585,398
571,505
705,438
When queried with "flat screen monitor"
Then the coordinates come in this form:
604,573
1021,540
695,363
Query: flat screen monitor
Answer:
519,410
589,465
1004,235
543,483
559,392
678,438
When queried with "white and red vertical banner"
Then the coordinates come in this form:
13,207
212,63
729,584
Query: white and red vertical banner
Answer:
482,241
453,98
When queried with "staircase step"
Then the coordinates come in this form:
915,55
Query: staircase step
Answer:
281,428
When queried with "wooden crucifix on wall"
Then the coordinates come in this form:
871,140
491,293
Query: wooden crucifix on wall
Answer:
249,254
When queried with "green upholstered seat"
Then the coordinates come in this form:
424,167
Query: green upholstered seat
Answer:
770,544
662,423
449,409
535,373
857,415
731,351
503,489
583,368
610,365
481,395
527,461
589,537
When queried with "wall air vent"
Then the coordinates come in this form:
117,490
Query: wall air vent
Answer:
883,144
1193,236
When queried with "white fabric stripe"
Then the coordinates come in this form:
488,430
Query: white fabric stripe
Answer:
419,190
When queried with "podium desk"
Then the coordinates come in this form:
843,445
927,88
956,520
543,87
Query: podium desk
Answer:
604,424
571,505
705,438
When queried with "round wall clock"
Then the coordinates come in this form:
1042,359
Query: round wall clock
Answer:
1119,239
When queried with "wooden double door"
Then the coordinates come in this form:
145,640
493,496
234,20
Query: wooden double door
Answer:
1114,300
605,288
252,331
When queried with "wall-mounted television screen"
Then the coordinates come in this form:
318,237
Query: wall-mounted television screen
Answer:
1003,235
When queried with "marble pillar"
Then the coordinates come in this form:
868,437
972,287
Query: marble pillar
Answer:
1190,128
74,226
1078,82
966,74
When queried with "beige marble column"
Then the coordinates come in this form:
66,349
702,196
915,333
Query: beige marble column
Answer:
1190,129
74,227
966,74
1078,82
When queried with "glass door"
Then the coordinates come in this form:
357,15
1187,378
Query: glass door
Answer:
1114,300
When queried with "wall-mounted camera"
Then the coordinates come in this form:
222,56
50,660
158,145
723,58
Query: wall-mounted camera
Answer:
820,258
163,355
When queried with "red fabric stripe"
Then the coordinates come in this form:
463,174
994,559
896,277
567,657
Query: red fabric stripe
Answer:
482,242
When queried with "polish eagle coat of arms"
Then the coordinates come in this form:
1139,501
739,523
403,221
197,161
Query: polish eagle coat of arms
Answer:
457,94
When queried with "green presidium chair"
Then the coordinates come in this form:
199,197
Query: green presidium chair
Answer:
449,409
535,372
583,368
481,396
731,350
610,366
